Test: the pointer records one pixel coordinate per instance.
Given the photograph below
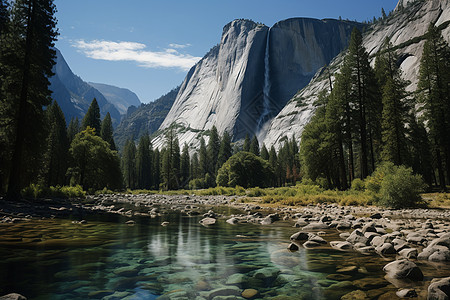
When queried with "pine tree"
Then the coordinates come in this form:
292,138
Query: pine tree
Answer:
195,167
364,99
383,14
156,169
143,163
73,129
92,118
264,152
395,112
273,162
27,60
213,152
254,146
434,95
203,158
4,142
225,150
171,161
129,164
107,132
246,146
57,147
185,166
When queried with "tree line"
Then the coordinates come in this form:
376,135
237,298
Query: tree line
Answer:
145,167
368,117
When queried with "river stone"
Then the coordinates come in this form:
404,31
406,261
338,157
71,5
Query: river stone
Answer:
357,236
126,271
266,273
368,250
236,279
410,253
343,225
13,296
376,216
442,241
311,244
428,251
223,291
315,226
370,283
300,236
439,289
233,221
386,249
355,295
341,246
348,270
338,277
401,269
208,221
440,255
407,293
249,293
369,227
316,239
100,294
293,247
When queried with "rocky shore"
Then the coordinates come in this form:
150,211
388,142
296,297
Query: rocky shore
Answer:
405,238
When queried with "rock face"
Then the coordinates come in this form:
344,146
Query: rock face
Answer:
74,95
249,77
405,28
145,118
119,97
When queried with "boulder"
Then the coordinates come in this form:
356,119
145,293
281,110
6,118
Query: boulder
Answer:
341,246
439,289
357,236
315,226
407,293
403,269
13,296
208,221
410,253
386,249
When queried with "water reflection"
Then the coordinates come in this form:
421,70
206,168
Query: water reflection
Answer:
107,259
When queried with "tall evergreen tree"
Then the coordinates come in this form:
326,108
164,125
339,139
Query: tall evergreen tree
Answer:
254,146
156,169
434,95
144,163
57,147
225,150
203,158
107,131
27,61
273,162
264,152
171,162
73,129
129,164
4,142
246,146
364,100
395,112
185,166
195,167
92,118
213,151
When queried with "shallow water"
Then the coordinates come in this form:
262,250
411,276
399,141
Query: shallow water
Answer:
107,259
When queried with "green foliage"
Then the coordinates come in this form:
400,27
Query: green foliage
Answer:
358,185
144,163
93,164
255,192
92,118
39,191
129,164
106,131
400,188
254,146
245,169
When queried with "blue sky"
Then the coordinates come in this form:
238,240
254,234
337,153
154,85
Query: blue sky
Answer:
147,46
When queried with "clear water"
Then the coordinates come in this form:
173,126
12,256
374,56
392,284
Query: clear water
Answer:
107,259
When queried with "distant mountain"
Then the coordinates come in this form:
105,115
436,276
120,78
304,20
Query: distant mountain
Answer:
121,98
74,95
145,118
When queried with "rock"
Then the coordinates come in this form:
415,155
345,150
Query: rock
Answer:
236,279
130,222
355,295
410,253
233,221
300,236
357,236
100,294
316,239
164,223
440,255
126,271
407,293
293,247
223,291
401,269
311,244
343,225
370,283
13,296
442,241
439,289
315,226
249,293
208,221
338,277
341,246
348,270
428,251
376,216
202,285
369,227
368,250
266,273
386,249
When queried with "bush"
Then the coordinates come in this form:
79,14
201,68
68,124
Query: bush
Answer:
256,192
39,191
358,185
245,169
399,187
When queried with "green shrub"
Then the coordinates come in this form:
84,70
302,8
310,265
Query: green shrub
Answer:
358,185
39,191
256,192
401,188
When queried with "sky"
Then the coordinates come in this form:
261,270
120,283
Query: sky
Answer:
148,46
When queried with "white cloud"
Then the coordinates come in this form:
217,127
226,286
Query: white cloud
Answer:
179,46
131,51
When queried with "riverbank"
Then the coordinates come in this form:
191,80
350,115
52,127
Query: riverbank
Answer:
408,239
